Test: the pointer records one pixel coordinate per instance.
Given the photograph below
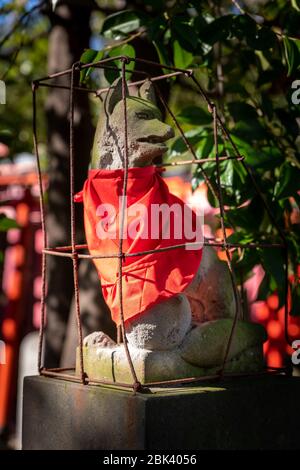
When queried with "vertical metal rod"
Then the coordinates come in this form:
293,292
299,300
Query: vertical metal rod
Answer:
73,228
44,233
222,216
136,385
119,334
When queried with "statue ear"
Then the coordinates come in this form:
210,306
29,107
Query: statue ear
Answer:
147,91
114,95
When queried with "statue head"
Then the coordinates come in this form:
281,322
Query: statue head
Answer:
146,132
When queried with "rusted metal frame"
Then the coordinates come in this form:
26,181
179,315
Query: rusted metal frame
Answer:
111,59
140,82
79,66
186,141
73,226
47,251
59,373
200,161
44,232
215,377
90,90
266,206
136,384
99,91
160,66
74,378
65,87
226,248
63,251
126,59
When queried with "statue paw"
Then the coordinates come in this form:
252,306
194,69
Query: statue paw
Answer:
98,338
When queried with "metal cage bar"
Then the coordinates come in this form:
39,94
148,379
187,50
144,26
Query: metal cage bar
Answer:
72,251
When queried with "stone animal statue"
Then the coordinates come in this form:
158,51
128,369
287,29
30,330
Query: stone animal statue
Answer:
187,334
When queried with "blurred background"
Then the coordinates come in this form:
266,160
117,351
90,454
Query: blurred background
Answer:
246,55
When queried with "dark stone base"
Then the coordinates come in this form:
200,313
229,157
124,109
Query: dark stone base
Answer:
244,413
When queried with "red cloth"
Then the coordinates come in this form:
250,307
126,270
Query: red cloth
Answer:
147,279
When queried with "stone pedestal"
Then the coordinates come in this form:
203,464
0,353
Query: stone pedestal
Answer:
244,413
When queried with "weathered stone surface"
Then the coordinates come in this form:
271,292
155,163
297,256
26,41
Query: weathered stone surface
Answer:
205,345
146,132
245,413
162,327
210,293
192,360
150,366
99,338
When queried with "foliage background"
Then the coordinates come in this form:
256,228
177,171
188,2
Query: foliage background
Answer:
245,54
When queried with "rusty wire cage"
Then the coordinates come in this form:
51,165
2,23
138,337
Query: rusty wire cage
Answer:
73,251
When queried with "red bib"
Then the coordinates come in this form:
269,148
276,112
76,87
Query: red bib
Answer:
147,279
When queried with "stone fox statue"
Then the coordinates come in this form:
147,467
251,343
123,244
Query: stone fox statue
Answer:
185,332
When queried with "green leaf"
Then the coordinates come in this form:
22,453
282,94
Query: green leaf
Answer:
124,50
227,174
179,147
205,146
291,53
194,115
289,181
295,4
123,22
263,157
6,223
241,236
89,55
182,58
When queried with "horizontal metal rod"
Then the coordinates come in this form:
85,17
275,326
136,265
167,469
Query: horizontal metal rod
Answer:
139,82
104,61
184,380
59,373
63,252
99,91
80,66
200,160
136,60
52,75
65,87
189,72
